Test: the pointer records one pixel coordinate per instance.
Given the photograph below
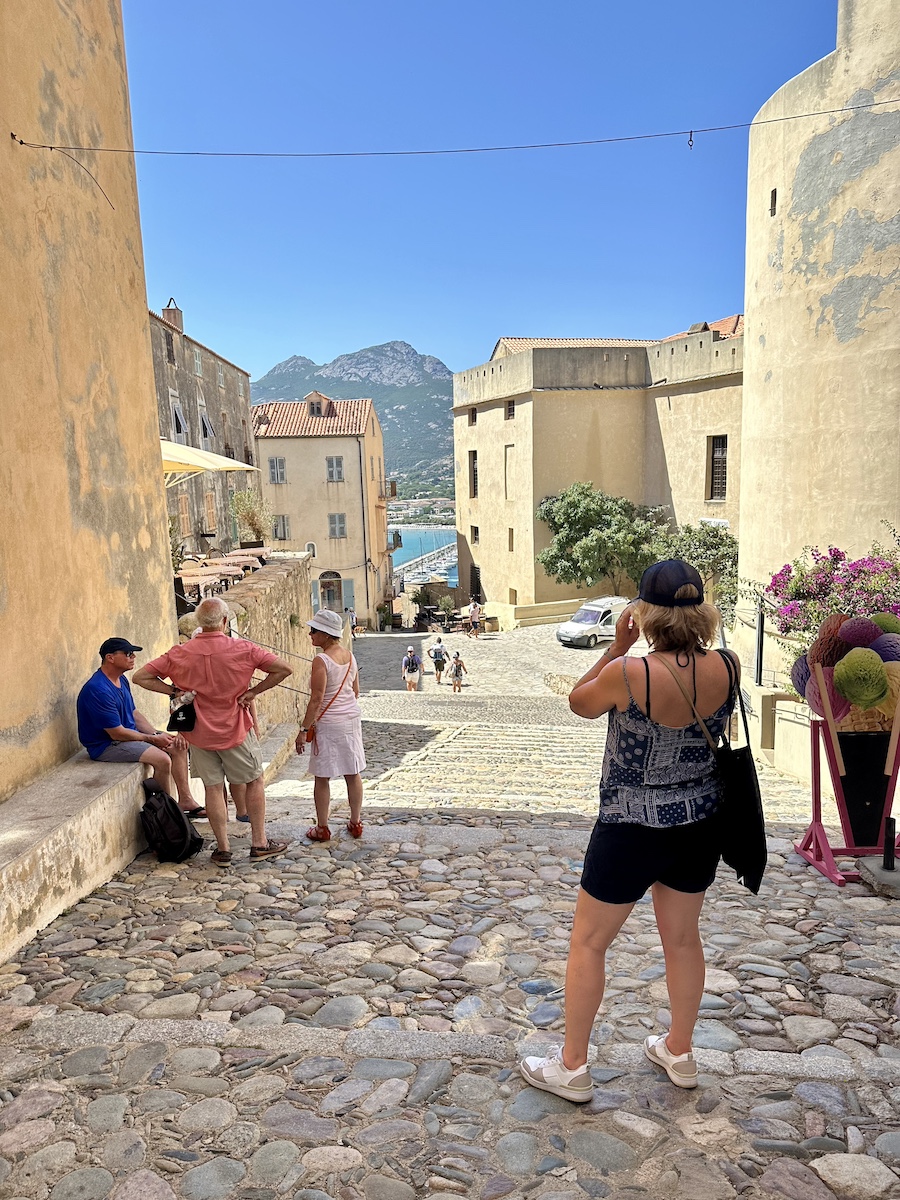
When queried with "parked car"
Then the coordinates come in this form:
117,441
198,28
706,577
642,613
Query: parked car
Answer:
594,622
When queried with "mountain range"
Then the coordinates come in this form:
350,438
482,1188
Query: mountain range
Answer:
412,393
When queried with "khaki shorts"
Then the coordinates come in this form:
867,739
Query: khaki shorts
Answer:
240,764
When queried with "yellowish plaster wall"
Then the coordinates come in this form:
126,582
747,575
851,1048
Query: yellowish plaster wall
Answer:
84,534
821,425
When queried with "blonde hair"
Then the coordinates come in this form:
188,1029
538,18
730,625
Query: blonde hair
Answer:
689,628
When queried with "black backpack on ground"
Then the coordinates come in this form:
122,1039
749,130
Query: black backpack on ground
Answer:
169,833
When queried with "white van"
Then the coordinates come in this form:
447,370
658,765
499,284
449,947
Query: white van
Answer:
594,622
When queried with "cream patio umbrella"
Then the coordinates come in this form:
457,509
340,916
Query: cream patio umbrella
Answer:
181,462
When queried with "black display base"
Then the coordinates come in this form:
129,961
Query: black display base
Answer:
865,784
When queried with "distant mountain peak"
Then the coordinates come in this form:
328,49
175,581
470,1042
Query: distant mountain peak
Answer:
399,380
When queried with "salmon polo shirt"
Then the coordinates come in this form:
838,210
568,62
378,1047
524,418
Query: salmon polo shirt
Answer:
219,669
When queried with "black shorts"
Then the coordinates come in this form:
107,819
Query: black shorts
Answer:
624,860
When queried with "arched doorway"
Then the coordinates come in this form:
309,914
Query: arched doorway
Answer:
331,591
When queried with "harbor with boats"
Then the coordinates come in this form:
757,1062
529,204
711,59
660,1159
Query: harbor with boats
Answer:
428,554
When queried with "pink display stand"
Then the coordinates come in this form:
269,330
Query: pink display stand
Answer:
814,846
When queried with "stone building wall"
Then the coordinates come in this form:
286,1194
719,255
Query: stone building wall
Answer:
272,607
201,382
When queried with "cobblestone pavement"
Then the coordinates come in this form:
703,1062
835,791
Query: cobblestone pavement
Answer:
344,1021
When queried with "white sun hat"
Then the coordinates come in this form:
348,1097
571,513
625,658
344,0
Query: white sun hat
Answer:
327,622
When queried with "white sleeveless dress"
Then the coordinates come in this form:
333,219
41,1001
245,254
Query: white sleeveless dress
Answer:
338,745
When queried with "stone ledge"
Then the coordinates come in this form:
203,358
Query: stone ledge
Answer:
71,830
75,1030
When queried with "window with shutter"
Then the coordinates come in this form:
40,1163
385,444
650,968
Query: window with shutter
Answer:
337,525
717,467
277,473
334,468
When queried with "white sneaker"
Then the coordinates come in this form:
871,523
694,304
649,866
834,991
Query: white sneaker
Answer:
552,1075
680,1068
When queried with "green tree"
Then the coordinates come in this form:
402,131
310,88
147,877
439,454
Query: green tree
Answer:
597,536
713,550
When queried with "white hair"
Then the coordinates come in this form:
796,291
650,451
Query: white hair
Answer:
211,613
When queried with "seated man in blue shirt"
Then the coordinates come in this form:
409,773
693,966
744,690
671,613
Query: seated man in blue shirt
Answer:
112,730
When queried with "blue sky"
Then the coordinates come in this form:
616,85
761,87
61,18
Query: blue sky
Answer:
321,257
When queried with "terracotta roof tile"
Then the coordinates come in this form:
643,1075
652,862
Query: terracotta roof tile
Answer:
728,327
293,418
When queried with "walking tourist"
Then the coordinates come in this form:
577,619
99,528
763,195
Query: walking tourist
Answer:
111,729
657,828
438,655
218,669
351,620
411,668
332,724
457,668
474,618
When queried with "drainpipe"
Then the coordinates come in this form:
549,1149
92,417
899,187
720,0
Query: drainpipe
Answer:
362,498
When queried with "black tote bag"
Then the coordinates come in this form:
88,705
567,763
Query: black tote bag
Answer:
740,815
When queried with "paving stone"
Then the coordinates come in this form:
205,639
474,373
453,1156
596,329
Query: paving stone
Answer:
788,1177
318,1066
429,1077
123,1151
25,1136
89,1183
384,1187
518,1152
143,1185
533,1105
855,1176
34,1102
382,1068
602,1151
382,1133
299,1124
806,1031
343,1012
207,1115
106,1113
271,1162
324,1159
213,1180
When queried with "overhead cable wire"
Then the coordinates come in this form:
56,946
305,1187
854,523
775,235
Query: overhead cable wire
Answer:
690,134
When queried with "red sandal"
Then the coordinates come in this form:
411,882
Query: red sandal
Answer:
319,833
355,829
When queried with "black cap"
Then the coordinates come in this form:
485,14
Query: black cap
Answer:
112,645
660,582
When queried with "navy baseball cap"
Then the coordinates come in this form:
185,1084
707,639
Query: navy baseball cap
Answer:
660,582
114,645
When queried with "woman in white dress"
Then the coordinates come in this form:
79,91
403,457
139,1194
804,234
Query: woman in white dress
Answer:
334,720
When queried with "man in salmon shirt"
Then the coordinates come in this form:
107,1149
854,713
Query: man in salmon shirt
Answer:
219,670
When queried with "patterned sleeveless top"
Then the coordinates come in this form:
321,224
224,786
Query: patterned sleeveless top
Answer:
657,776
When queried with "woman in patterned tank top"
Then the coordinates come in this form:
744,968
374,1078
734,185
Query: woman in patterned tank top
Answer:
657,826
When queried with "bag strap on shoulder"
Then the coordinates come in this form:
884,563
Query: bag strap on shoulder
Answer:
730,663
687,696
335,696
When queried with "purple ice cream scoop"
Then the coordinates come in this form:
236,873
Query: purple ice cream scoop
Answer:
859,631
887,647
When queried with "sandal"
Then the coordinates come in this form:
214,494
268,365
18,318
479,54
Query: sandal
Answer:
221,858
319,833
195,814
269,850
244,819
354,828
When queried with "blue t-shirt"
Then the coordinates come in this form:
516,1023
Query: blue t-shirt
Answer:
102,706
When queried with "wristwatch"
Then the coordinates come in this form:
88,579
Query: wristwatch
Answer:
303,729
